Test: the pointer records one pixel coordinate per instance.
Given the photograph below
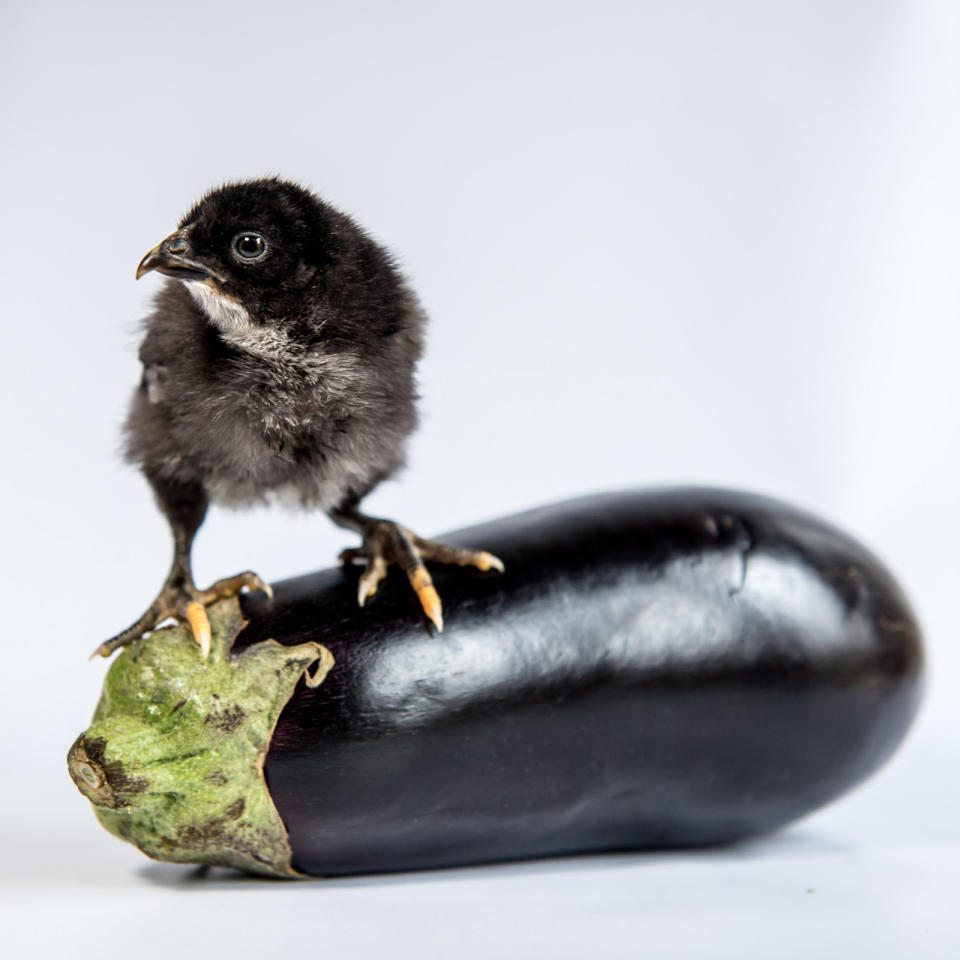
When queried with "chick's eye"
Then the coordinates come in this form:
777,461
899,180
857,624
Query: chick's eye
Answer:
249,246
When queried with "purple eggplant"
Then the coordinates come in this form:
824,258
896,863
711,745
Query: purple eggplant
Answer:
655,669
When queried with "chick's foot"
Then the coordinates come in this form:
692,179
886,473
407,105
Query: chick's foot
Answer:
386,542
181,601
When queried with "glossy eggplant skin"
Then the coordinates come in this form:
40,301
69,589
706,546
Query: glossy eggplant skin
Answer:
655,669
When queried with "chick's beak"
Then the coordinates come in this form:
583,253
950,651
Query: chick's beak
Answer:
170,257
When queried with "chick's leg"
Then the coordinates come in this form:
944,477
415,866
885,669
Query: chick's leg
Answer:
185,505
386,542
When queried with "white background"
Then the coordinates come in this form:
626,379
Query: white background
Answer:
659,242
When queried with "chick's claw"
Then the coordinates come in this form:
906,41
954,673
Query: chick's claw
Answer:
184,603
386,542
230,586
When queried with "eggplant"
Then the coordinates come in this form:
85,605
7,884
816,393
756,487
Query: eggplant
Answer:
655,669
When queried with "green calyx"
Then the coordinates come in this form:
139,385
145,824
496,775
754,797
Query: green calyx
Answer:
173,760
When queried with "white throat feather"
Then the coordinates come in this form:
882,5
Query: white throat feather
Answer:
230,317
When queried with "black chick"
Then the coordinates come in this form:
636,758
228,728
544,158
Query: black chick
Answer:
280,365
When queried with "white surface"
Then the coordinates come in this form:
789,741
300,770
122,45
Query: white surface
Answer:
659,242
873,876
